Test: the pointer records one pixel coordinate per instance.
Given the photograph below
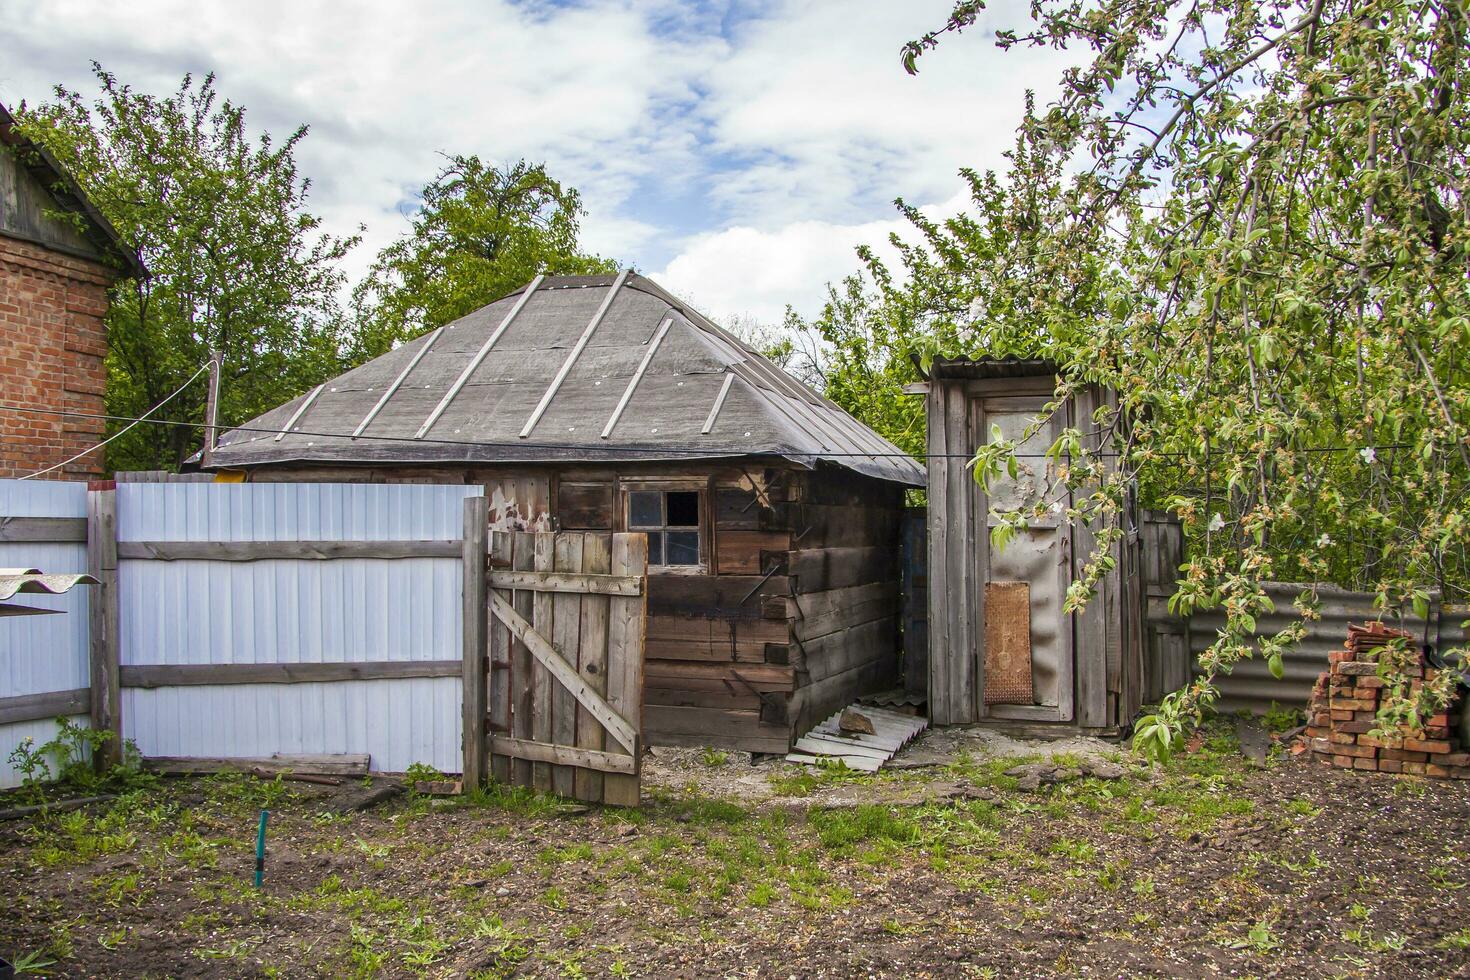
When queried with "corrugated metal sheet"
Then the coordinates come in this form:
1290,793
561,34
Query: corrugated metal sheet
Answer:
1252,688
40,654
349,610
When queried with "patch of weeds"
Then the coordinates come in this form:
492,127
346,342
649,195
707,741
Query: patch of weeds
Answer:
764,893
122,888
1306,865
554,898
1456,940
1279,719
236,950
803,780
713,758
1080,851
32,962
365,953
520,801
840,830
1301,807
553,856
1260,939
1392,942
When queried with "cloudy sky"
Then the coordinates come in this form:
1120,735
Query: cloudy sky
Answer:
735,152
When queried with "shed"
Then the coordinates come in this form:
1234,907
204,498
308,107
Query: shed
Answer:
605,403
1001,649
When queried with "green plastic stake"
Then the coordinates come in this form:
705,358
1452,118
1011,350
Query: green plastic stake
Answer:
260,849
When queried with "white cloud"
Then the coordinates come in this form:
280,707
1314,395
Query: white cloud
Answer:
744,161
755,274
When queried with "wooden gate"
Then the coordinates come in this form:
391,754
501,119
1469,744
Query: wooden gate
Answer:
561,617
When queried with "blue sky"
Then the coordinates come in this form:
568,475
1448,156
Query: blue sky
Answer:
736,152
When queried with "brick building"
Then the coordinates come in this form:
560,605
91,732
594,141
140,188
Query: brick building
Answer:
58,257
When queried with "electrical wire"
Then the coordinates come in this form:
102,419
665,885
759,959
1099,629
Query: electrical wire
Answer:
667,450
142,418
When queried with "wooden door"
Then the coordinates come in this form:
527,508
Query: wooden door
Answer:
1023,585
567,616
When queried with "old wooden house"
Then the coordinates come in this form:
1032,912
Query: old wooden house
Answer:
604,403
1002,651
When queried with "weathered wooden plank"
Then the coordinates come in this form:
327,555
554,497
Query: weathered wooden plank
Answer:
523,668
749,552
329,764
106,693
723,596
839,609
26,530
846,649
541,684
627,622
661,720
719,677
583,583
695,698
267,550
475,641
199,675
51,704
821,569
566,634
814,701
564,755
584,506
592,659
499,642
549,656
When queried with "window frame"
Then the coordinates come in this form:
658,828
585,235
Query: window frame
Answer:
628,486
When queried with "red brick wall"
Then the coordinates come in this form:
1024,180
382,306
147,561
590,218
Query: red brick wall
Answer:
51,309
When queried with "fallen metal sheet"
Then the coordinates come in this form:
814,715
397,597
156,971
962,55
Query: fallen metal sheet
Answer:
827,742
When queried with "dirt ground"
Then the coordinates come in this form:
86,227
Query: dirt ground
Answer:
1207,866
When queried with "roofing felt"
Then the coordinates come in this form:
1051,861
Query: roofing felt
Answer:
568,368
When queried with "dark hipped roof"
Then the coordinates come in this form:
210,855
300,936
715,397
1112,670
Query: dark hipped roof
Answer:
569,368
68,195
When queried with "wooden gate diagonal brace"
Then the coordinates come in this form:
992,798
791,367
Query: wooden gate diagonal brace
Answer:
552,659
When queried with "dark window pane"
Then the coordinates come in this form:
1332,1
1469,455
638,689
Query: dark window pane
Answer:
683,508
645,508
681,547
655,547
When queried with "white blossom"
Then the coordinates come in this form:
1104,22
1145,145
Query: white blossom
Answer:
1369,456
1324,540
1217,522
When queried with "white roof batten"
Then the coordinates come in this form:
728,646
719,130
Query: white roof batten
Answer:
714,411
577,349
418,355
300,411
617,413
469,369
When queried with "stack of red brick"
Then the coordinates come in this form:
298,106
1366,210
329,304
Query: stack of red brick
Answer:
1344,709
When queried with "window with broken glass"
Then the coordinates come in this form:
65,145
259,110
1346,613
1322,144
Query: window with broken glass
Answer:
670,518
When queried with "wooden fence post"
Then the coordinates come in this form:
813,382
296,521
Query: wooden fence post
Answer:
476,558
102,564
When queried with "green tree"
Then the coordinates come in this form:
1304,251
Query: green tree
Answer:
1282,185
237,263
481,232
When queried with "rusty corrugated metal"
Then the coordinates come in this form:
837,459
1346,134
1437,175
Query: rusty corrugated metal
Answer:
1251,687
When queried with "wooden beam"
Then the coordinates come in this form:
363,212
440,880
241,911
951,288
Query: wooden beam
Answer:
330,764
105,701
198,675
563,755
714,410
576,352
300,411
265,550
469,369
626,631
617,412
418,355
51,704
552,659
586,583
476,647
43,530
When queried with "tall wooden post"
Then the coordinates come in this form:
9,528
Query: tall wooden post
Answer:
476,651
211,410
103,611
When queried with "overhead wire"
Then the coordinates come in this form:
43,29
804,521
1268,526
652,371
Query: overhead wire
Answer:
120,432
519,445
